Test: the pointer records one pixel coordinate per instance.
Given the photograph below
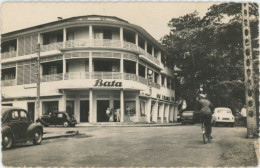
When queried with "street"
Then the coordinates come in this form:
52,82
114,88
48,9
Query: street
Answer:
137,146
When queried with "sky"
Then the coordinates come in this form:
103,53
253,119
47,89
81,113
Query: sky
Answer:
152,16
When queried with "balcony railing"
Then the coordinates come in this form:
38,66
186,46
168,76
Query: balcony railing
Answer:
9,54
52,46
106,75
8,82
156,85
134,77
77,75
77,43
52,77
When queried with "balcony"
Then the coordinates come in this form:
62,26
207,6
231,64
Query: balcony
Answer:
77,75
10,54
52,77
52,46
8,82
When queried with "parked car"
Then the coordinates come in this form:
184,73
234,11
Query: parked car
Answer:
187,117
58,118
223,115
18,127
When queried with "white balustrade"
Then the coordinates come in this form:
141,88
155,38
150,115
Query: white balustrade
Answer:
9,54
8,82
52,77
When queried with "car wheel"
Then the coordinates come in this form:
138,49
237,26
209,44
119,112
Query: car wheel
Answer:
7,141
65,124
37,137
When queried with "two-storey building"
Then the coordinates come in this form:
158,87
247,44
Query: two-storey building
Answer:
87,64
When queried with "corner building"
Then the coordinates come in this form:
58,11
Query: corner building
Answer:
87,64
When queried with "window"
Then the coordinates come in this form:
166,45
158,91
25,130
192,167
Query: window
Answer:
130,107
156,75
70,107
142,108
49,107
163,80
70,36
14,115
23,115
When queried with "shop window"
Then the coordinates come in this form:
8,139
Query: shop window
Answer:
49,107
130,107
142,108
70,107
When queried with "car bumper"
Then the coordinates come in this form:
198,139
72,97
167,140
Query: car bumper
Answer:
225,121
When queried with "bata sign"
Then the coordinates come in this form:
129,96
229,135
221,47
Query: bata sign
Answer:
100,82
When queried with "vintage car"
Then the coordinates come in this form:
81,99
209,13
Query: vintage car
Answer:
58,118
223,115
187,117
18,127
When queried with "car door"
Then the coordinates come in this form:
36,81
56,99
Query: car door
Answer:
15,124
60,118
24,123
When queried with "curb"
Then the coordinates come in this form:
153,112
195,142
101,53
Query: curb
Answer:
130,125
256,145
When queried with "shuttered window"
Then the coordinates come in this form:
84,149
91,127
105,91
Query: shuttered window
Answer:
26,72
27,45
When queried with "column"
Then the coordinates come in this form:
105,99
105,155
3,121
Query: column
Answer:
148,105
145,72
161,112
160,79
92,119
145,45
137,107
171,115
175,109
121,36
90,63
159,56
90,34
64,66
137,68
155,112
122,66
166,112
17,47
153,51
64,37
136,39
62,102
122,104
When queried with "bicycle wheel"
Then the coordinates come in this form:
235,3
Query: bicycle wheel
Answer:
204,138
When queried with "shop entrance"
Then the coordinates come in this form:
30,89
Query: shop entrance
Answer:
31,107
102,105
84,111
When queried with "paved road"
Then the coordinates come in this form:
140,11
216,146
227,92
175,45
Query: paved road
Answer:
138,146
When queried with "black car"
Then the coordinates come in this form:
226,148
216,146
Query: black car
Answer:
58,118
18,127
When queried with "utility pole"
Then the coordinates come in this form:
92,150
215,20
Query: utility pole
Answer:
248,68
38,80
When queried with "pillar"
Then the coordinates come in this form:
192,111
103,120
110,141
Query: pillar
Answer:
136,39
121,35
153,51
167,113
137,107
122,66
90,63
90,34
145,72
171,113
17,47
161,112
145,45
175,107
92,113
64,66
159,56
122,104
137,68
155,112
62,102
148,105
160,79
64,37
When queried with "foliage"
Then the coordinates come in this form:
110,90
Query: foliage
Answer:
209,52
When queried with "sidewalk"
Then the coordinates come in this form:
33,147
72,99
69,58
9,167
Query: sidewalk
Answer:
60,132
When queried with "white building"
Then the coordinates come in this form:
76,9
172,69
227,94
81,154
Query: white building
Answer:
87,64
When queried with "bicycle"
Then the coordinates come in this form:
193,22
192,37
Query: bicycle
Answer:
204,136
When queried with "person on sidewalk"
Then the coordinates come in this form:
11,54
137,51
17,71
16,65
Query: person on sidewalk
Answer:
108,113
128,111
243,115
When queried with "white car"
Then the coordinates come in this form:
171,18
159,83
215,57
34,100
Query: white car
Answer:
223,115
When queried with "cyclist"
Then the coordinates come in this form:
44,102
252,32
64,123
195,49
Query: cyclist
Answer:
206,113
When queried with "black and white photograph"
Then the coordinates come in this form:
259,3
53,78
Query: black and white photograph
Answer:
129,84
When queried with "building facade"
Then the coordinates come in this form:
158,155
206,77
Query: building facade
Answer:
87,64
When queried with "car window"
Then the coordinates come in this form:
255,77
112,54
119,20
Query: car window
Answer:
23,115
60,115
14,115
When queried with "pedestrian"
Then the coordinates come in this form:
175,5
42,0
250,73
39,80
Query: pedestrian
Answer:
128,110
111,117
108,113
118,115
243,115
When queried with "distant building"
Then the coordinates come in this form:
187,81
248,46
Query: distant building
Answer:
89,63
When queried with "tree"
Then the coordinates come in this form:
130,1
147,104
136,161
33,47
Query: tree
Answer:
209,52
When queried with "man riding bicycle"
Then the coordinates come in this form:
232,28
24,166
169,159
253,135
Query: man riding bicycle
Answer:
206,113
